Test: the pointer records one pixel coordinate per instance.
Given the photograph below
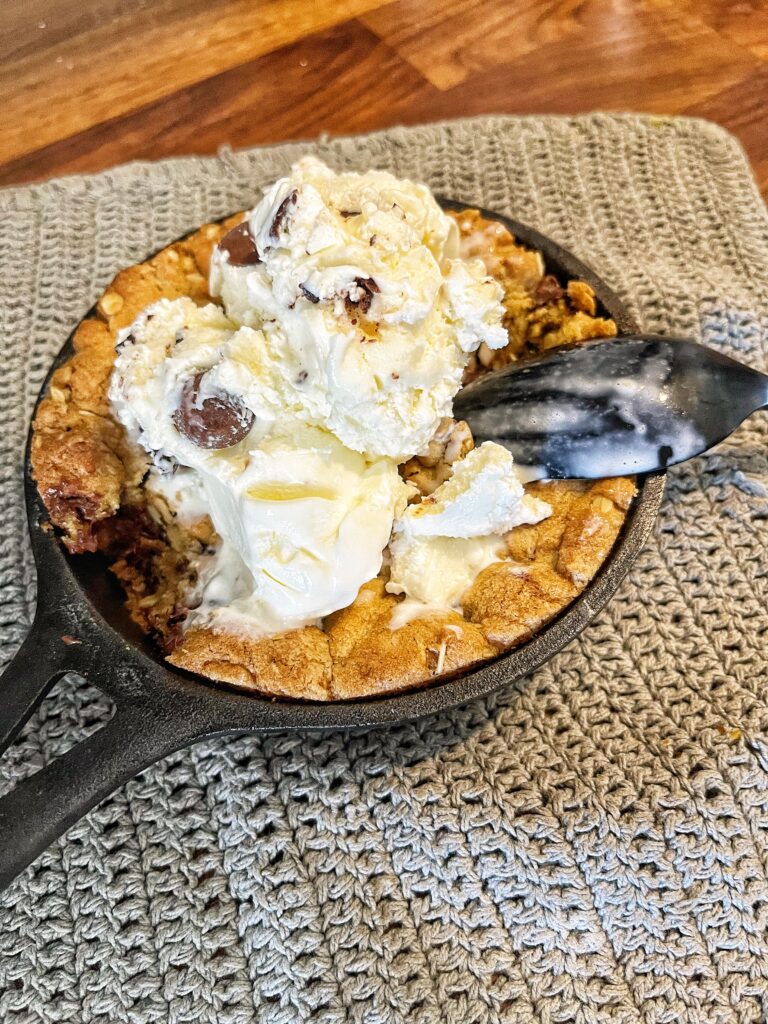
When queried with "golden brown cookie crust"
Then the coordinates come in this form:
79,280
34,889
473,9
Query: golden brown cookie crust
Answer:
296,664
90,479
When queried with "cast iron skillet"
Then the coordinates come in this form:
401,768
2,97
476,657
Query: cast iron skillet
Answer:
159,710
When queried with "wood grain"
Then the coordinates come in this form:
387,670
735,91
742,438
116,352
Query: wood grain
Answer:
86,85
116,65
665,59
743,21
449,41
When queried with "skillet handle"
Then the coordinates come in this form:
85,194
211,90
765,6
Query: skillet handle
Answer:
38,663
42,807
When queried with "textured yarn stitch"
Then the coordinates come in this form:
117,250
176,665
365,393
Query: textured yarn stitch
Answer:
588,845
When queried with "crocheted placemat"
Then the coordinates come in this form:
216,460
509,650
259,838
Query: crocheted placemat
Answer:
589,845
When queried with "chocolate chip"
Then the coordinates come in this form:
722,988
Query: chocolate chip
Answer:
349,213
548,289
369,288
308,294
240,247
216,422
282,213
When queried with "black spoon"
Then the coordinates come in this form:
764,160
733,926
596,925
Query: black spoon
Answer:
609,408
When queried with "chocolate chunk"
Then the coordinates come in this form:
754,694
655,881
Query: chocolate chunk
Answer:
349,213
308,294
240,247
548,289
216,422
282,213
369,288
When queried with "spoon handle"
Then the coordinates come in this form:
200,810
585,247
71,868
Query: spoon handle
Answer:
42,807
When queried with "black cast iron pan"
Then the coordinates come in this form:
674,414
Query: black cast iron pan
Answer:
159,710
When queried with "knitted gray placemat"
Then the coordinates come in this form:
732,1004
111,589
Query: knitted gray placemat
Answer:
588,845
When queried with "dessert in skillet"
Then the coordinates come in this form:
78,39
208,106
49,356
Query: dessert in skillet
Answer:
255,428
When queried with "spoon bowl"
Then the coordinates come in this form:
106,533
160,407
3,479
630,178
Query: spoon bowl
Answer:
632,404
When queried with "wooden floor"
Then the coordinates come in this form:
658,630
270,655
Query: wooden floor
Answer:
85,84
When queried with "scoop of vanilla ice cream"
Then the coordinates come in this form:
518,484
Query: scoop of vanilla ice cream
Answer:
359,280
167,344
303,520
436,572
325,231
305,523
483,495
441,544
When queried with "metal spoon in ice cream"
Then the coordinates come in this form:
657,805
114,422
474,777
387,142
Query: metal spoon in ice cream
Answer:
611,408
